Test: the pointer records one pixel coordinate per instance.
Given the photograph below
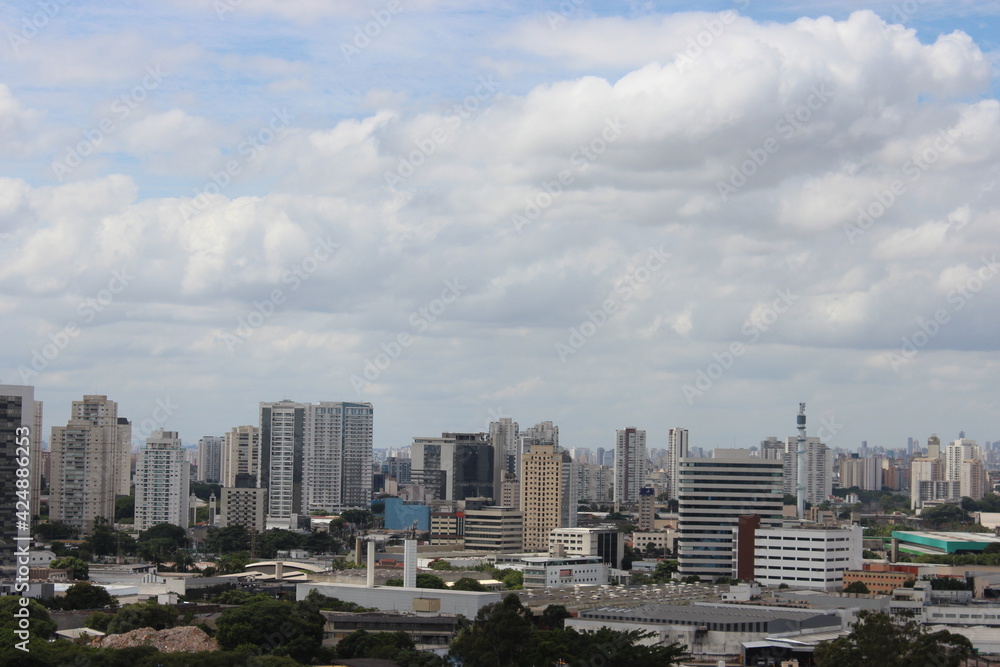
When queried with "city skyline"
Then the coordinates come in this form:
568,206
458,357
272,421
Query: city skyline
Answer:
598,214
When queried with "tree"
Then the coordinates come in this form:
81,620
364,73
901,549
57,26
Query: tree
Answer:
160,542
468,584
270,626
81,569
234,537
857,587
86,596
943,515
321,542
99,621
441,564
40,624
143,615
384,645
232,563
877,640
554,617
498,636
106,541
125,509
55,530
272,541
360,518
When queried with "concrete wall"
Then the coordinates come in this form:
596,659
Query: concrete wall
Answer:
393,598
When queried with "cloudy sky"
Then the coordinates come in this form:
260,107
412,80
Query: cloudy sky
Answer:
652,214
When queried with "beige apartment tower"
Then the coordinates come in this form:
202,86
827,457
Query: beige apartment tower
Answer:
548,494
91,461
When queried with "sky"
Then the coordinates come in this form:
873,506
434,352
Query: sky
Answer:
650,214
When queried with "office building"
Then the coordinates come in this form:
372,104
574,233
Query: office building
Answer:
498,529
162,482
564,572
630,464
210,462
455,466
505,438
20,442
606,543
677,449
398,468
548,494
241,455
815,559
714,494
91,463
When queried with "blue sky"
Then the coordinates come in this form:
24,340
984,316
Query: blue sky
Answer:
217,156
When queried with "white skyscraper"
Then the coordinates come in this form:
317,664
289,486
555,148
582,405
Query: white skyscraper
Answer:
162,476
211,450
315,456
957,452
677,449
630,464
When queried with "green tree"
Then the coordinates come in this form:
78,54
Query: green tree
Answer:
554,617
55,530
81,569
143,615
272,541
98,620
273,626
125,508
498,636
203,490
877,640
106,541
468,584
226,540
40,626
321,542
441,564
159,543
232,563
360,518
856,587
86,596
941,516
380,645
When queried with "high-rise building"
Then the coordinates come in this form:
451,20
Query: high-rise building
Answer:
455,466
865,474
338,453
714,494
243,504
955,454
818,465
20,442
91,463
595,483
211,449
933,447
315,456
162,482
505,438
542,433
973,480
630,464
241,454
647,508
677,449
398,467
599,457
925,469
548,494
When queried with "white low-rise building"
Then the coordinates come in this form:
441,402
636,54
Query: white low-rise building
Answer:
813,558
549,572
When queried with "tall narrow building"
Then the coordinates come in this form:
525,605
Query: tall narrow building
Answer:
241,454
455,466
20,442
91,463
677,449
714,494
211,449
505,437
630,464
162,482
548,494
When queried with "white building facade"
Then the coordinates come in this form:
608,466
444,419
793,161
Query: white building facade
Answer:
162,482
806,558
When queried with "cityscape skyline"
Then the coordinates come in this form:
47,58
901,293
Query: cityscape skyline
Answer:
708,213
